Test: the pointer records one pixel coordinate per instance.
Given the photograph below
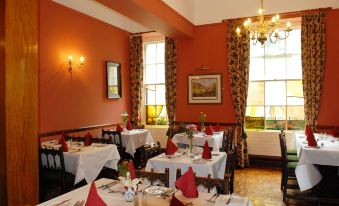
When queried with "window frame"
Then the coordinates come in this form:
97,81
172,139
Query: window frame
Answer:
284,55
145,103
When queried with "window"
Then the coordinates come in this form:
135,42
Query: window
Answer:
154,83
275,93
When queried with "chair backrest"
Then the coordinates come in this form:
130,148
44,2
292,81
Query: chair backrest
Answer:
52,160
208,182
114,136
74,138
283,148
154,176
228,139
231,161
102,140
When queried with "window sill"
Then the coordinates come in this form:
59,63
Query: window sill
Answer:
271,131
156,126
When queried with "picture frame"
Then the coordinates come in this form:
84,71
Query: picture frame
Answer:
204,89
113,74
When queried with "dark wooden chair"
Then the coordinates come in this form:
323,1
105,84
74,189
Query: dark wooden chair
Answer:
52,172
102,140
74,138
228,140
152,151
137,126
154,176
289,184
115,138
231,163
209,183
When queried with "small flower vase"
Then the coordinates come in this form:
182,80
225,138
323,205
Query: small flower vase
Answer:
202,127
129,195
190,148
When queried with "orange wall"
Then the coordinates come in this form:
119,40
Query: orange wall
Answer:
67,101
329,105
207,49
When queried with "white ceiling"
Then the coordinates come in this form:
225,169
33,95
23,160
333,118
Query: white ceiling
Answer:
212,11
103,13
197,11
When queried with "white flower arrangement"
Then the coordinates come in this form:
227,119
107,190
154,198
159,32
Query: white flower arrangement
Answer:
129,183
124,117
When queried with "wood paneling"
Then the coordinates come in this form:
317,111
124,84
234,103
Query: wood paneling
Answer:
81,129
3,180
20,104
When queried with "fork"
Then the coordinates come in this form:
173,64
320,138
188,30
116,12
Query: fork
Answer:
79,203
229,199
210,199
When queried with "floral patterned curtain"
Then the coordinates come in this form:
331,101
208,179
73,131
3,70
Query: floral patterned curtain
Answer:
313,62
170,76
238,66
136,68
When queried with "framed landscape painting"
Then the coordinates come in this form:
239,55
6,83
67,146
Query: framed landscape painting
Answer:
204,89
113,71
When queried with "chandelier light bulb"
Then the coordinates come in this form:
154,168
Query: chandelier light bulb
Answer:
238,30
277,17
288,24
273,19
260,11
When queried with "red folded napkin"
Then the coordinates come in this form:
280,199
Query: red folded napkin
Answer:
334,133
93,198
206,154
209,130
217,128
131,170
119,128
88,140
129,126
63,143
171,148
175,201
310,137
186,183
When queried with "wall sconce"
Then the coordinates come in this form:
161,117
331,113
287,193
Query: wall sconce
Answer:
72,64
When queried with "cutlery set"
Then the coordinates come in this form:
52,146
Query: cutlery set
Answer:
215,197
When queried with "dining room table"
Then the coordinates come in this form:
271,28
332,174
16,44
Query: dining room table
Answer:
199,139
86,162
180,160
134,139
114,196
310,158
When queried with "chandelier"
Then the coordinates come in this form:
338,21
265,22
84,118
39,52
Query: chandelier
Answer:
262,30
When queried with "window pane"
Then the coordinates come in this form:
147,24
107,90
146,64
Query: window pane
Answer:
151,52
150,94
275,117
256,50
293,42
256,93
295,93
161,73
150,74
295,116
275,93
161,52
255,117
257,69
294,70
275,68
274,49
160,95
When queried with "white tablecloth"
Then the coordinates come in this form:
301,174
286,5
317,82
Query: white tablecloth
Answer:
215,167
307,173
199,139
136,138
88,163
117,198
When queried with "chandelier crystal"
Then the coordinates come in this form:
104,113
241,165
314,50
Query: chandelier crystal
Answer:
262,30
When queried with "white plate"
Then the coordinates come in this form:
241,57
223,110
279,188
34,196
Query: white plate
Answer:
199,161
156,190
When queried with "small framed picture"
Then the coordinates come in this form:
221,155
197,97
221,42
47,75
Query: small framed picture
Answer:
204,89
113,80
